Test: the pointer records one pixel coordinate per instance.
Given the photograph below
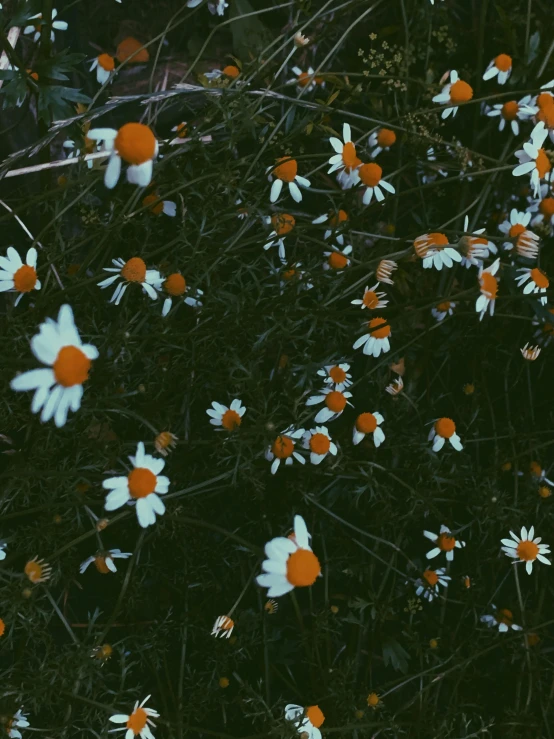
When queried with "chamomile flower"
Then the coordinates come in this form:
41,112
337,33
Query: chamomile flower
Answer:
138,723
371,177
290,562
536,472
488,286
36,27
300,40
306,720
442,430
283,224
336,375
345,160
320,444
515,228
502,617
228,74
17,276
537,282
132,271
180,130
104,561
165,442
283,450
377,340
339,257
533,159
475,248
530,353
545,334
395,387
525,548
368,423
443,309
455,92
143,485
384,270
2,550
223,627
286,170
435,251
501,67
294,274
371,299
229,418
334,219
16,722
334,401
37,570
58,388
217,7
306,80
428,585
511,112
444,542
157,206
543,208
381,140
135,144
104,64
176,287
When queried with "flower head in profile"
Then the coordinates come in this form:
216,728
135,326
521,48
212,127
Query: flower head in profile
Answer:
533,159
176,288
488,286
503,618
286,171
444,542
443,309
229,418
104,64
377,339
306,720
165,442
17,276
104,561
37,570
136,145
368,423
283,224
395,387
337,375
500,67
339,257
345,161
371,177
475,248
143,486
138,723
384,271
156,206
381,140
455,92
530,353
59,387
290,562
435,251
442,430
319,443
131,271
36,27
335,401
542,209
223,627
334,220
536,282
283,450
428,584
372,300
526,548
300,40
515,228
16,722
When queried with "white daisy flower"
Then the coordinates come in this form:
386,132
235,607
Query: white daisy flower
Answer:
335,219
290,562
371,177
455,92
134,270
319,442
345,159
336,375
533,159
371,299
502,617
543,207
157,206
230,418
515,228
444,429
475,248
306,720
435,251
217,7
36,28
60,387
283,449
176,287
305,80
384,270
428,585
286,170
435,170
501,67
488,286
335,403
395,387
531,353
510,112
143,484
16,722
104,561
368,423
377,340
16,276
445,542
180,131
283,224
381,140
537,282
441,310
525,548
339,256
223,627
104,64
135,144
138,723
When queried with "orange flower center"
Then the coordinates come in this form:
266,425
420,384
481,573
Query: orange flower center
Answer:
100,564
287,170
302,568
489,285
316,716
546,207
386,138
135,143
137,721
141,482
378,333
282,447
371,300
107,62
446,542
134,270
503,62
542,163
349,154
337,374
366,423
539,278
304,79
181,130
335,401
71,366
127,47
445,427
25,279
510,110
505,616
282,223
437,239
2,627
231,71
372,700
535,469
460,92
370,174
544,100
33,570
547,116
149,201
527,551
336,218
337,260
230,420
431,577
516,230
320,444
288,274
175,284
444,307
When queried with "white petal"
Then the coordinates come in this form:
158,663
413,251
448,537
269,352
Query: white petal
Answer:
33,379
140,174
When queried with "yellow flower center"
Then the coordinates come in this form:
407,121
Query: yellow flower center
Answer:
230,420
445,427
316,716
134,270
510,110
503,62
107,62
378,333
366,423
135,143
175,284
370,174
460,92
320,444
25,279
335,401
141,482
71,367
282,447
337,374
286,170
302,568
137,721
527,551
386,138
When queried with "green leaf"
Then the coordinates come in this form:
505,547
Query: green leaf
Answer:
534,43
395,655
56,67
56,102
250,36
